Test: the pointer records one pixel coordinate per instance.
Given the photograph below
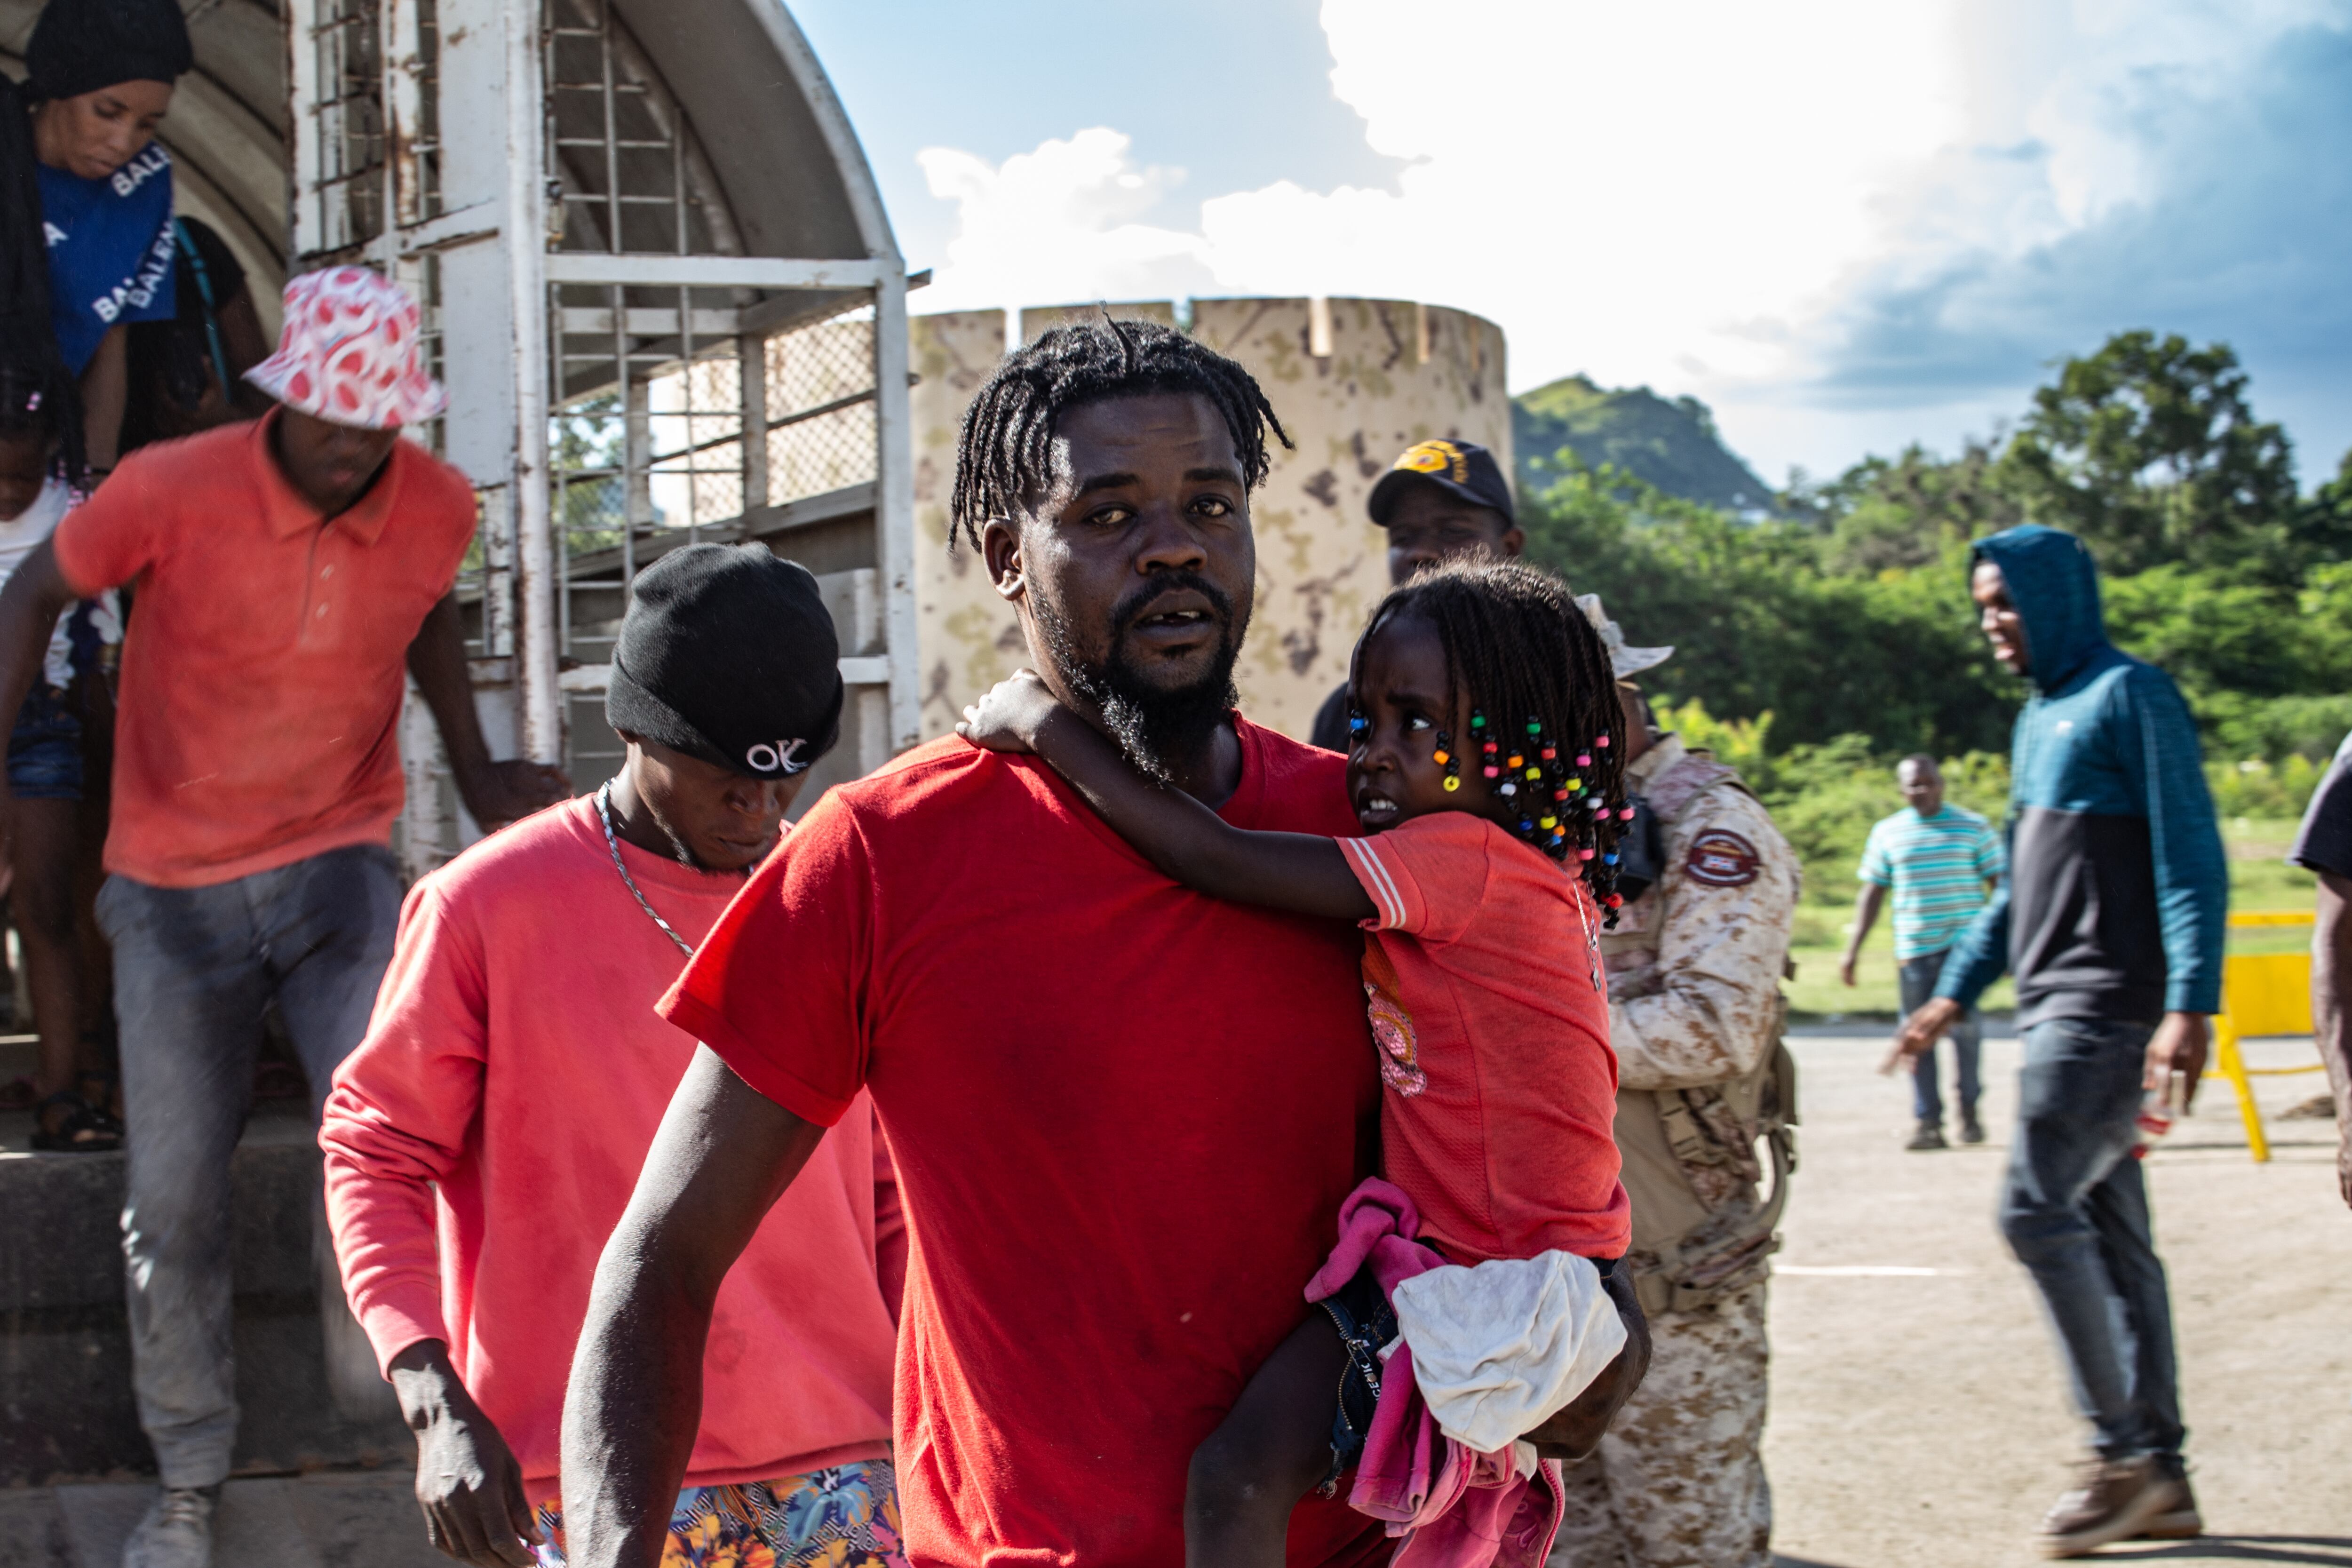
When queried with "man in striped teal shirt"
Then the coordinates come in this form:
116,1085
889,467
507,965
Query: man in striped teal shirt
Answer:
1938,858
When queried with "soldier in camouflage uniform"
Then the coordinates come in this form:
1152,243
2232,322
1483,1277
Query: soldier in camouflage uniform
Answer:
1694,967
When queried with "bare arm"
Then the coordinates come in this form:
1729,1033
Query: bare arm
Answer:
36,596
2331,992
1301,872
1576,1431
246,345
723,1157
1866,905
496,793
105,390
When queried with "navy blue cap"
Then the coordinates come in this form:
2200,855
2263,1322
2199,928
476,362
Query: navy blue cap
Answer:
1464,469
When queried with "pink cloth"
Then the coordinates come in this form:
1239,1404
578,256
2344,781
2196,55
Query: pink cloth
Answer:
1452,1507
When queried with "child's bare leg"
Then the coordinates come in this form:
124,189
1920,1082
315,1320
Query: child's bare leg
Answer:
1271,1450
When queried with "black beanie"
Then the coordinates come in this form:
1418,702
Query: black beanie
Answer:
729,655
80,46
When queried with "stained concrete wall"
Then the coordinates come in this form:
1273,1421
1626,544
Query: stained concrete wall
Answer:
1355,382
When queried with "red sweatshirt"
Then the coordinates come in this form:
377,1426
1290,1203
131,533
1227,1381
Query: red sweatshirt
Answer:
483,1140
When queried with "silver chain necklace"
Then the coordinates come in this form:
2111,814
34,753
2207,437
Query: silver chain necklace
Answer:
613,843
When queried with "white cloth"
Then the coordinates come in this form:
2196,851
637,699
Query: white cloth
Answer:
21,535
1501,1348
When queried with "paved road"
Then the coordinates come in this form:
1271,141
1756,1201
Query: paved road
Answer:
1919,1420
1922,1420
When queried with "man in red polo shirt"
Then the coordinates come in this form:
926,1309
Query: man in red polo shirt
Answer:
1124,1113
286,571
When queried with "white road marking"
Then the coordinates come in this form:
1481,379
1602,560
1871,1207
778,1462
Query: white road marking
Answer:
1866,1271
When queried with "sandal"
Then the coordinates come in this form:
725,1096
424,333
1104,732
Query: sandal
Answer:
101,1088
84,1130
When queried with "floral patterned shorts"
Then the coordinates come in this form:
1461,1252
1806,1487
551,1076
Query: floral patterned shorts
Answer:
846,1516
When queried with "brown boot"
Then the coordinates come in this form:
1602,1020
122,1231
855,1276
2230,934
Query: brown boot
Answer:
2116,1500
2183,1522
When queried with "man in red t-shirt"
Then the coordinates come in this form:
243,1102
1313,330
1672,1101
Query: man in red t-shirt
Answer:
1125,1114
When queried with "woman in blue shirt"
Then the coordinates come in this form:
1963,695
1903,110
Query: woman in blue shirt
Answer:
101,77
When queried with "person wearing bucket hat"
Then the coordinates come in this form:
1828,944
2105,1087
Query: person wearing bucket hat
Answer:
292,572
1694,967
1440,501
481,1141
99,77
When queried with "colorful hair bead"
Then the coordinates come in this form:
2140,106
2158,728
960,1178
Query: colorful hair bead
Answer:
1576,784
1535,773
1626,814
1534,726
1447,758
1584,759
1508,789
1477,719
1609,858
1550,754
1584,854
1357,724
1615,900
1601,739
1551,822
1492,771
1516,760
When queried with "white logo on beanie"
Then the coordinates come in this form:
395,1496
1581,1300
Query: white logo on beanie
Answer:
764,758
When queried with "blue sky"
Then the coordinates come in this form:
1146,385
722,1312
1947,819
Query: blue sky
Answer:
1845,223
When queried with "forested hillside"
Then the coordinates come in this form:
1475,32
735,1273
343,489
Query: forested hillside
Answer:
1841,634
1671,445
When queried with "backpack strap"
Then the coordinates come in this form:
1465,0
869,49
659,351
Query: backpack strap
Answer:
211,307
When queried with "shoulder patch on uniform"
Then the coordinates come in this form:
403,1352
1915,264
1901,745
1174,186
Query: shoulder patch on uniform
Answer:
1721,858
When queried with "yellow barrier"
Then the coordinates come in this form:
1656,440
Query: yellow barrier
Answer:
2261,994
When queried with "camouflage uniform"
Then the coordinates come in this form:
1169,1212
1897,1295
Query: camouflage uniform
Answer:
1694,967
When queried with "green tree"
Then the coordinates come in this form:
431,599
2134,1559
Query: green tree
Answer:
2150,450
1897,513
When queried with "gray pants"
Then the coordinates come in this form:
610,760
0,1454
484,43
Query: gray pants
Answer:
193,969
2074,1209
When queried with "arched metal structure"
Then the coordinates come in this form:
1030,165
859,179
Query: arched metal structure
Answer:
650,335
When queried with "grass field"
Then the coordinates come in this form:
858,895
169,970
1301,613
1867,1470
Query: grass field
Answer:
2260,878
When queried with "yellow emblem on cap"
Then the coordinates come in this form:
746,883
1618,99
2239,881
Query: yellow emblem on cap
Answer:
1436,457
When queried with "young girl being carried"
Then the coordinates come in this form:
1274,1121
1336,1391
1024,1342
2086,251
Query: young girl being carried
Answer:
1466,1290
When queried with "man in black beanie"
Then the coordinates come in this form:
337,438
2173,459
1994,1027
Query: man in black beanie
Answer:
482,1140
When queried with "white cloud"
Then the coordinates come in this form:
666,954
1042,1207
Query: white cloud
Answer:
1058,224
1684,194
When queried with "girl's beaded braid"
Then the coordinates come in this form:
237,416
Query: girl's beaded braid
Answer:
1538,706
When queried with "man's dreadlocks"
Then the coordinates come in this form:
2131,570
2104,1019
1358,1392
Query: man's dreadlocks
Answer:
36,391
1520,653
1005,457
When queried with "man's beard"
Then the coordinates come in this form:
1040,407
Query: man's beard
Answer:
1159,729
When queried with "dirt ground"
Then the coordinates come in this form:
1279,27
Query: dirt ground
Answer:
1922,1419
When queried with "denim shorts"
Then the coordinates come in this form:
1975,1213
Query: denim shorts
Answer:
45,747
1366,1321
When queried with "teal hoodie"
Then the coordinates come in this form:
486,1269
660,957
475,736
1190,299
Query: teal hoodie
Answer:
2117,890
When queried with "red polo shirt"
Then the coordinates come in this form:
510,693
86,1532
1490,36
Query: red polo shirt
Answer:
263,668
1124,1115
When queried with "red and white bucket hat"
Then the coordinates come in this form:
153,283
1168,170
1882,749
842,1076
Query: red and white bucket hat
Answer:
353,352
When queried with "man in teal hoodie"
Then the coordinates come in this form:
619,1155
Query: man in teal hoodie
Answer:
2112,921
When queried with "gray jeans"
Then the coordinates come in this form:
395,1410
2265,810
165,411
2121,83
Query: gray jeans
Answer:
193,969
1915,978
2074,1209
